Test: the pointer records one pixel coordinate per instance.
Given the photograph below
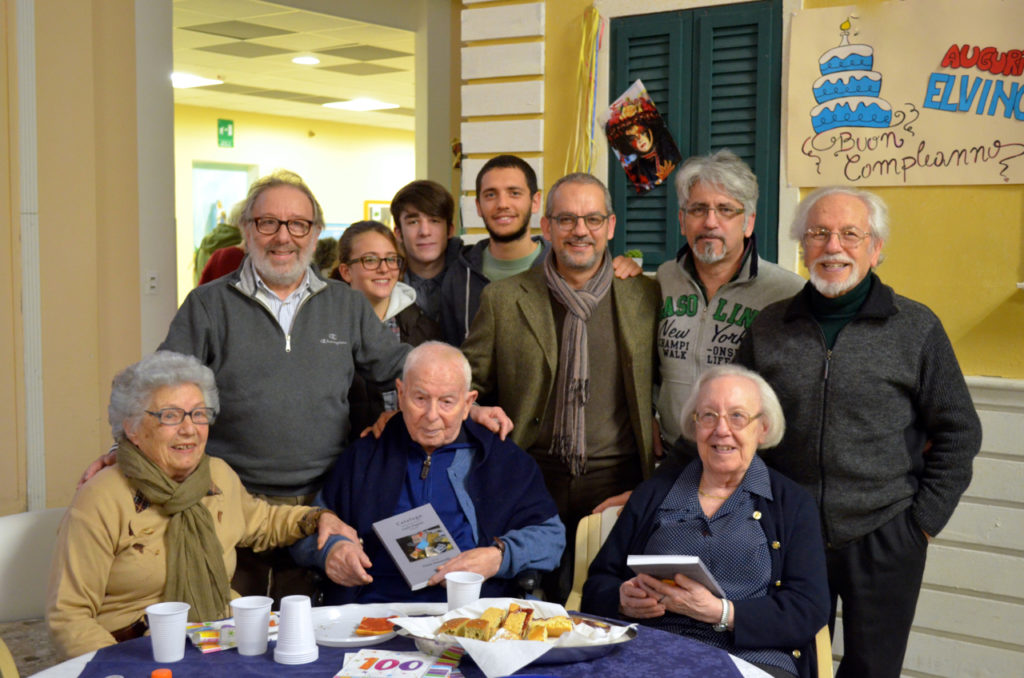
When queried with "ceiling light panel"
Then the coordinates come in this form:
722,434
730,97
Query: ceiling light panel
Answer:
361,69
363,52
238,30
247,50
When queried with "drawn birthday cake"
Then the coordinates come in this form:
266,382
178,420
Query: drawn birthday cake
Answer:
847,91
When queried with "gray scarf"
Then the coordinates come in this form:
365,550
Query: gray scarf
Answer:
572,384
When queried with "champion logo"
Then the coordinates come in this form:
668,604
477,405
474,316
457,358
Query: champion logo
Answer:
332,338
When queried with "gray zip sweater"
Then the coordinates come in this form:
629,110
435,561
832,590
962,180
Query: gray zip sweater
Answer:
858,417
695,333
284,413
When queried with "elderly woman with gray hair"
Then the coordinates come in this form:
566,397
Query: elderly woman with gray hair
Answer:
164,521
753,528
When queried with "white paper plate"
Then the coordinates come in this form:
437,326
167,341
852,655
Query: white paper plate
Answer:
335,626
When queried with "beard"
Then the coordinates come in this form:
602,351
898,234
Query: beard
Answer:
707,254
833,289
581,263
509,237
276,275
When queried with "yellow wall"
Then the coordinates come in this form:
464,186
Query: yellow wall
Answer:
958,250
88,238
563,35
322,152
12,461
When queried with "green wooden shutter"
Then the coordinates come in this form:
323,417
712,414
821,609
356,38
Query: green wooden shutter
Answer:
715,75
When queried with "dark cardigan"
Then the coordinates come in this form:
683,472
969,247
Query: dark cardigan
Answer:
796,606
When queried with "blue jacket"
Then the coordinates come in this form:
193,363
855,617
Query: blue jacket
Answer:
364,486
795,607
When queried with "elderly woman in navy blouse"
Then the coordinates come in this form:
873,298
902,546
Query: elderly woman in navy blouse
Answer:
756,531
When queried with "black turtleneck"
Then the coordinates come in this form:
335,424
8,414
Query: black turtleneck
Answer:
833,314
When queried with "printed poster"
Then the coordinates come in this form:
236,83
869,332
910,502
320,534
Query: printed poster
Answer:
912,93
637,134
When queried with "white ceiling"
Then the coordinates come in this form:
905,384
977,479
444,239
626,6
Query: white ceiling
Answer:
249,44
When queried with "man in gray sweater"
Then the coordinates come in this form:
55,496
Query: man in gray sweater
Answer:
715,286
880,426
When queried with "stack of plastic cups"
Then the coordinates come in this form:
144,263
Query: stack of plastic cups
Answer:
296,643
252,623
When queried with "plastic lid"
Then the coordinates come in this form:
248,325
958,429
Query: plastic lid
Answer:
161,673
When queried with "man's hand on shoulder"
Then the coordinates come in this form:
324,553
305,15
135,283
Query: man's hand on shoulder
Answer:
378,426
625,267
347,564
618,500
485,560
108,459
493,419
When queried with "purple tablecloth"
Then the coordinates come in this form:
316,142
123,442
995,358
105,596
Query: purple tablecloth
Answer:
653,654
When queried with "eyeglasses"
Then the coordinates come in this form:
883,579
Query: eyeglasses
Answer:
737,420
371,262
848,237
567,222
172,416
700,210
270,226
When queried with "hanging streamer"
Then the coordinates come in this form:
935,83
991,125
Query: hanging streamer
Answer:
581,144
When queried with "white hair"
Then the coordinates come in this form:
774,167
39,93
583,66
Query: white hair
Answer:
878,213
437,351
771,409
133,387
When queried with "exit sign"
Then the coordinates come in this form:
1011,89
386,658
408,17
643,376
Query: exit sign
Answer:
226,133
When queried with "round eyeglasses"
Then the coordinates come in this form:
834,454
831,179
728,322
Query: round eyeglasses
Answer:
737,420
173,416
271,225
848,237
567,222
371,262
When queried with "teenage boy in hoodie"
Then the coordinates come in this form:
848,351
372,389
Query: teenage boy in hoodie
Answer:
507,197
424,212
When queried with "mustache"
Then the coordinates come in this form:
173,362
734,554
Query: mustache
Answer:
833,259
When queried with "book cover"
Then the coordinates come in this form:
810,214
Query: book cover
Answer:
418,542
666,567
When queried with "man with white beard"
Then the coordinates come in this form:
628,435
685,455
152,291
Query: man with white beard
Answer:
880,427
716,285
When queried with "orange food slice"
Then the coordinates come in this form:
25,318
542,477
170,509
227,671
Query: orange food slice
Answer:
375,626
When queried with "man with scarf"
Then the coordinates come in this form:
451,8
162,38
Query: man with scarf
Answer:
567,350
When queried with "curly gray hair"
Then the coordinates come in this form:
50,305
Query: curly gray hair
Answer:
724,170
771,409
133,386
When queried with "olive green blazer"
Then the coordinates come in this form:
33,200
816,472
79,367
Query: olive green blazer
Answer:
512,348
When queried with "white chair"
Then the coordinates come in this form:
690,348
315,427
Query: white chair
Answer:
27,542
590,534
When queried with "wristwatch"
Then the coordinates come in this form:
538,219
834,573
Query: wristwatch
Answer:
723,624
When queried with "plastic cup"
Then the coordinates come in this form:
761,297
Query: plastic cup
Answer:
296,643
463,588
167,630
252,623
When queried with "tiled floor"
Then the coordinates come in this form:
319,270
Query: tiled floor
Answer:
29,643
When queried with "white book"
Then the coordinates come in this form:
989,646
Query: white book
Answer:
666,567
418,542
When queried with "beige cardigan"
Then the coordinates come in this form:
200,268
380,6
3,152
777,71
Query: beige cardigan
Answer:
110,563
